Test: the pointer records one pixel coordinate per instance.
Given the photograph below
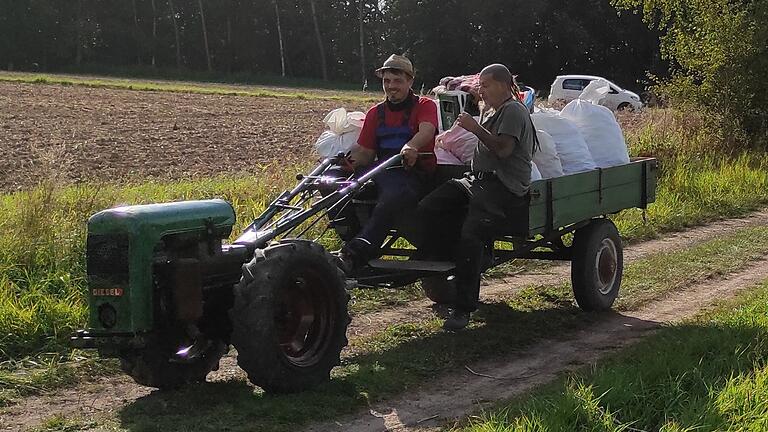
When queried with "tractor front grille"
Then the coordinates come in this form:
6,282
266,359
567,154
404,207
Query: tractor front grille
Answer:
107,259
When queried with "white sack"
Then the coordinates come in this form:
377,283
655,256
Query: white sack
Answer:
343,132
535,174
340,121
600,130
330,143
596,91
459,142
546,157
571,147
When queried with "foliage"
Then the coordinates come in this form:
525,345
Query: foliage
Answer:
538,39
719,54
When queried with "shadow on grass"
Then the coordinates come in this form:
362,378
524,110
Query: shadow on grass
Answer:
706,377
402,357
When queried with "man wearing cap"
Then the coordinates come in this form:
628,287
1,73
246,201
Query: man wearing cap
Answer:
490,202
403,124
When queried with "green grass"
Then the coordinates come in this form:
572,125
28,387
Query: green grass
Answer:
406,355
190,87
707,374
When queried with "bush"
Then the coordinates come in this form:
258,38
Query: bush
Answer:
719,60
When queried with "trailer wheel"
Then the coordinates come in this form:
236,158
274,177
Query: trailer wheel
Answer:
440,289
151,366
290,317
597,266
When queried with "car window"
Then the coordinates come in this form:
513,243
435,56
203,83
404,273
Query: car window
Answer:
575,84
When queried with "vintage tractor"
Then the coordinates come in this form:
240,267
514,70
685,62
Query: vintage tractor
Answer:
168,296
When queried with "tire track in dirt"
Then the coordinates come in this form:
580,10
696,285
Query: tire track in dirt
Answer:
460,393
107,395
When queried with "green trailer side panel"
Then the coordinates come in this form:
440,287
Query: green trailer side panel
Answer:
566,200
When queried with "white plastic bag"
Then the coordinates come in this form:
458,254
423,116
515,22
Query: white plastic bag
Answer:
343,132
546,157
340,121
600,130
595,91
535,174
571,148
459,142
330,143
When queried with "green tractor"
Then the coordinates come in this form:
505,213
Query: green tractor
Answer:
168,296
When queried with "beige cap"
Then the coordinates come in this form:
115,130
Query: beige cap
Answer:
396,62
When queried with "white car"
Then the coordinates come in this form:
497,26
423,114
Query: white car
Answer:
569,87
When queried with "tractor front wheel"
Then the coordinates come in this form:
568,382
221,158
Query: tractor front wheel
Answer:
290,317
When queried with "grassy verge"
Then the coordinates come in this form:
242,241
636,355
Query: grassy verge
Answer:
707,374
404,356
189,87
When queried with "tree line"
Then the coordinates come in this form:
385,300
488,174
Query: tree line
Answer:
336,40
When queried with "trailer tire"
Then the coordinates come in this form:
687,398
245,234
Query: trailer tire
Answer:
151,366
290,317
597,265
440,289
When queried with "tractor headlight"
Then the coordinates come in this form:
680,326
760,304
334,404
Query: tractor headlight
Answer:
107,315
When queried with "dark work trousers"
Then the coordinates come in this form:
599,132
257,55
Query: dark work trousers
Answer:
459,219
398,190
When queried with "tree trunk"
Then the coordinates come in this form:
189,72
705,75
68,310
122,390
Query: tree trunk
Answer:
205,35
319,40
361,3
79,34
176,34
154,33
280,37
136,27
230,48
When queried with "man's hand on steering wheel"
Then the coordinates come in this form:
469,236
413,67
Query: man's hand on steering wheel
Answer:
410,155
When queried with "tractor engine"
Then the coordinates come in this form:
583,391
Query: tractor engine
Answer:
160,282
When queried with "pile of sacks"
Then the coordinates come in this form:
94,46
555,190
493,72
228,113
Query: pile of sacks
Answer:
582,137
343,131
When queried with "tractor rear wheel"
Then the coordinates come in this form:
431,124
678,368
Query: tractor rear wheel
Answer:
597,266
290,317
151,366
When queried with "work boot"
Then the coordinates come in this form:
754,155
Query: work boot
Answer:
456,321
354,255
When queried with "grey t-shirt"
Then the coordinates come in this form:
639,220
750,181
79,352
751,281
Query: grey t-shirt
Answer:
514,171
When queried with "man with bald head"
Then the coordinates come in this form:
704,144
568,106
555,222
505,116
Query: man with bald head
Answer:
489,202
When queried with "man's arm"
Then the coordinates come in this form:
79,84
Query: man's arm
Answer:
422,138
502,144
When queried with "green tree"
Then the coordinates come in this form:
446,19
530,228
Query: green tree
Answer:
719,55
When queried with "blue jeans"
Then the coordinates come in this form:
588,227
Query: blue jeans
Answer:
399,191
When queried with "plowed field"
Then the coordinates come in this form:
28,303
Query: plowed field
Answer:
78,133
